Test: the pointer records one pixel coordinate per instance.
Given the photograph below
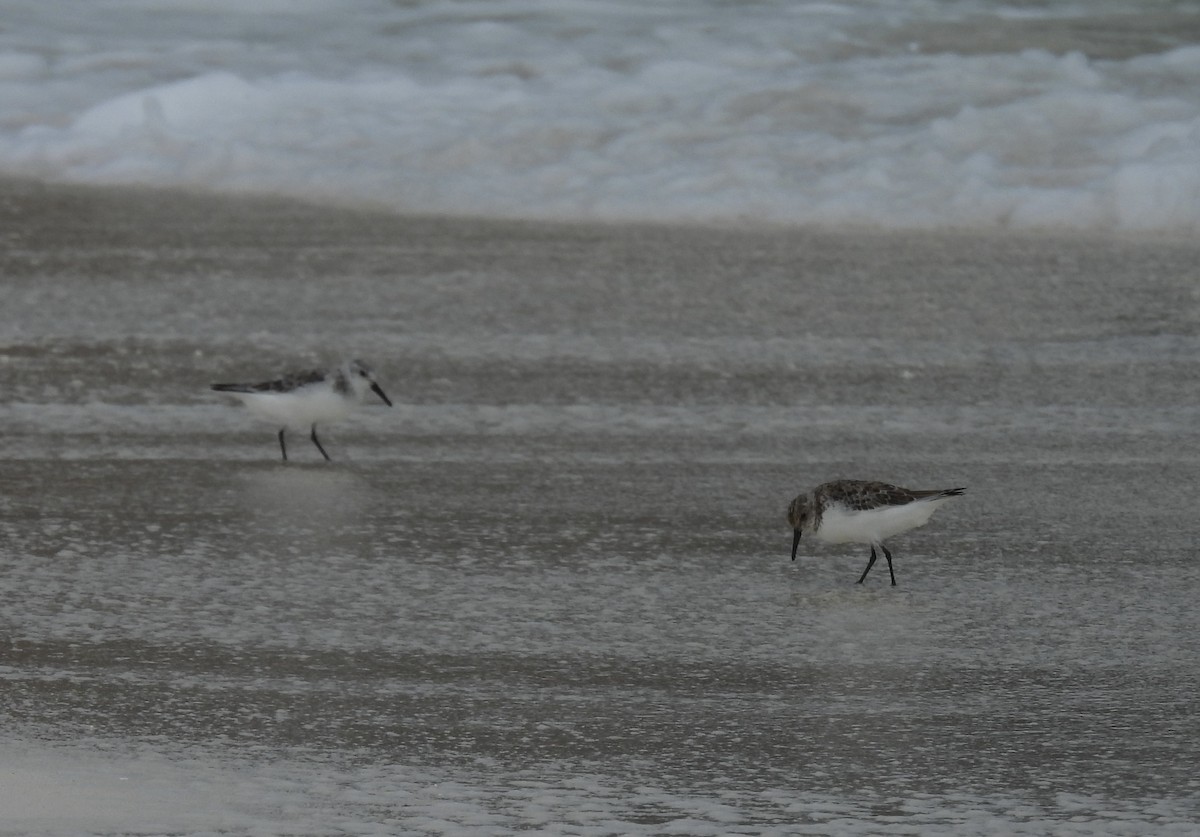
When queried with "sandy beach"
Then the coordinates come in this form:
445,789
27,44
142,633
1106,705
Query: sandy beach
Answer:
550,590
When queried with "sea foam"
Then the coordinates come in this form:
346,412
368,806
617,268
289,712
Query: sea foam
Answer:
854,113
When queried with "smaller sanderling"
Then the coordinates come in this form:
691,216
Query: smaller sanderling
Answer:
302,400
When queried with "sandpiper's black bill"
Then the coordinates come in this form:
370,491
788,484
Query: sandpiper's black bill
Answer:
795,544
378,390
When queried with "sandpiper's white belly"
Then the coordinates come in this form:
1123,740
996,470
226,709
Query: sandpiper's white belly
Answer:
842,525
298,410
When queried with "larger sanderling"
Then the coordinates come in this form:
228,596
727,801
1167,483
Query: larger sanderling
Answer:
858,511
302,400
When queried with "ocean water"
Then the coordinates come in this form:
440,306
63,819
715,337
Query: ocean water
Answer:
549,591
885,113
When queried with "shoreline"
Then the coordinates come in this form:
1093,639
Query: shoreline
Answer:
147,203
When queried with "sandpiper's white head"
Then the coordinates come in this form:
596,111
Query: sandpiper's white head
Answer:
356,377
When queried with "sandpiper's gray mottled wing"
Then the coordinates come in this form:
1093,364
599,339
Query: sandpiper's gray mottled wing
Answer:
287,383
864,495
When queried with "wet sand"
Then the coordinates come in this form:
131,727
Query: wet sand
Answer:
550,588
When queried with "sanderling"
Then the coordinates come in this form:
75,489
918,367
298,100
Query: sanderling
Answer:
301,400
858,511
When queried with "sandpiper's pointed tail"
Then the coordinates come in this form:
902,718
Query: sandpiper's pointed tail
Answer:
937,493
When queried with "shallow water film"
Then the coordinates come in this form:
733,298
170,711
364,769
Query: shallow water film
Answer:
549,591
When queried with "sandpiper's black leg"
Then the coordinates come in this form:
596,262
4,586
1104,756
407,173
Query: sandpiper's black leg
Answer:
317,442
888,556
870,564
282,444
